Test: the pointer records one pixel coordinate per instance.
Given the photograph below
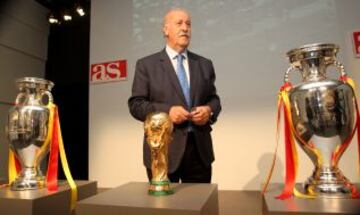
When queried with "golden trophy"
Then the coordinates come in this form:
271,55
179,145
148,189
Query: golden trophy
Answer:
158,128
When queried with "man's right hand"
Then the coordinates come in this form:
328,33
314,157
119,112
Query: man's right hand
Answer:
178,114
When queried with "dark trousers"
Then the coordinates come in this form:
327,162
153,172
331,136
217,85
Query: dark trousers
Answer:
191,169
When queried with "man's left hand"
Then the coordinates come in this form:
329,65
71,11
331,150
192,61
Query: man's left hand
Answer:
201,115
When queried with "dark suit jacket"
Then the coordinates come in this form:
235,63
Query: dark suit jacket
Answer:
156,88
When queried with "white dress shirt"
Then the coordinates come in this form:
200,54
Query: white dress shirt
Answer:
172,55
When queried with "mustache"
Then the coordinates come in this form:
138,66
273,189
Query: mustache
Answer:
183,34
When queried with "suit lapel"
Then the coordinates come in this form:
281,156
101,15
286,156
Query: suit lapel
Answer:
170,72
194,76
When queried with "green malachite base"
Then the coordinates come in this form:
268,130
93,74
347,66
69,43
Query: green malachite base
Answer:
160,188
161,192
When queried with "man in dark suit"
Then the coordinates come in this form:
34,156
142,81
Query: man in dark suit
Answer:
180,83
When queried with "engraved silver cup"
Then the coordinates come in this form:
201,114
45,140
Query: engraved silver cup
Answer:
322,112
27,129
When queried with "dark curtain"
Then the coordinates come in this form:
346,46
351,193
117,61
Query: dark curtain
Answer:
68,67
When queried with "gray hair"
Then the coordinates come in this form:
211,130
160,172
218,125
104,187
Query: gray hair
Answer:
170,11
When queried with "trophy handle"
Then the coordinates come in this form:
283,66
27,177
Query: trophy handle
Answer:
290,69
339,66
46,98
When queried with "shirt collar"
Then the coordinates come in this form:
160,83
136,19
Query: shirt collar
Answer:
172,53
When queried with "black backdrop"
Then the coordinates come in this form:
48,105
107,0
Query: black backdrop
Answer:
68,67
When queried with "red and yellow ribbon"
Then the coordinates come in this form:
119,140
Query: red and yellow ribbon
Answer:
56,147
290,149
345,79
14,166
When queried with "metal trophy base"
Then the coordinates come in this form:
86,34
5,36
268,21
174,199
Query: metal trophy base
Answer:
132,199
326,183
42,201
298,206
160,188
28,179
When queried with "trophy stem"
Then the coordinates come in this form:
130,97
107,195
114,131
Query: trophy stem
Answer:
328,182
29,179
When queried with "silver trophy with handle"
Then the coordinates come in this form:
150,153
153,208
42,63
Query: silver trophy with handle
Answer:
323,117
27,130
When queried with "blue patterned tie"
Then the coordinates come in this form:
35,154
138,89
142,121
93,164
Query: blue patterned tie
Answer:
181,74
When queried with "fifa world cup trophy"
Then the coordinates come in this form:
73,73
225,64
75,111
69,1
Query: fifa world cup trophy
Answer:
158,130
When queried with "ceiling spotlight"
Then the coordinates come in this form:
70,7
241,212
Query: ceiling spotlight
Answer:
67,17
80,10
52,19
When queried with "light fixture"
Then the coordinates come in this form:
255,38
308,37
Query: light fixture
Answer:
52,19
80,10
67,16
61,14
